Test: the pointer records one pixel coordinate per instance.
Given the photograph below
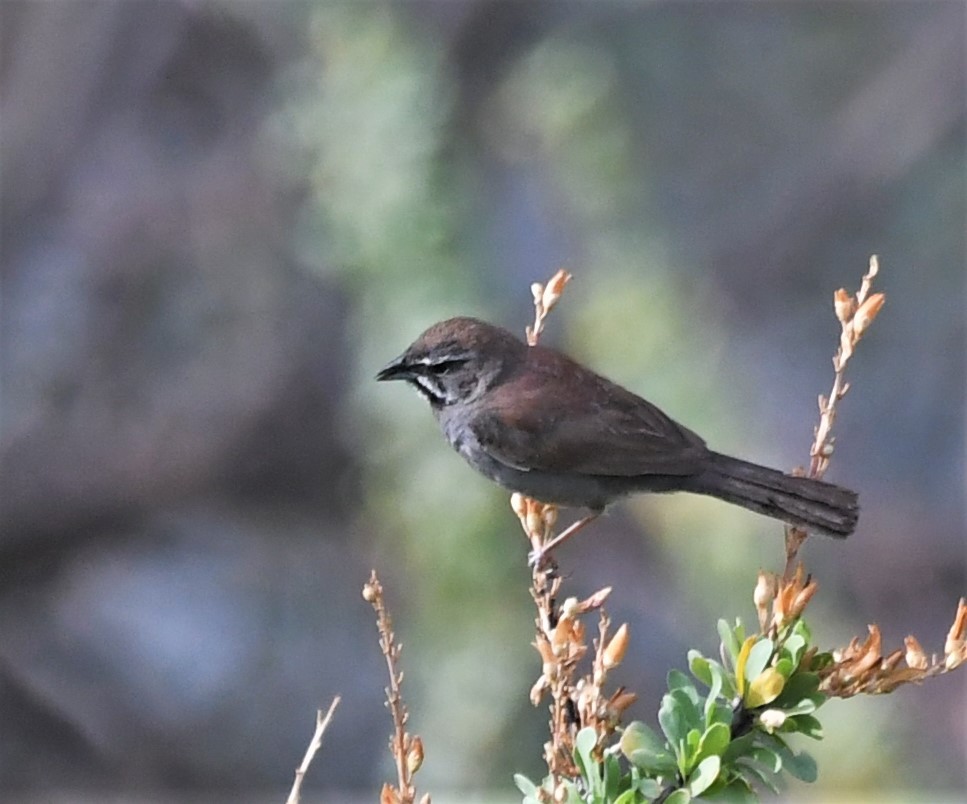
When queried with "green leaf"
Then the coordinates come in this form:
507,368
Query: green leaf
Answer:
821,661
590,769
721,713
759,656
525,785
627,797
714,741
739,747
785,666
724,678
680,796
802,630
793,647
677,680
637,736
649,788
753,773
585,742
808,725
714,691
677,715
612,777
704,775
801,694
800,765
765,756
645,750
737,791
765,688
731,642
699,667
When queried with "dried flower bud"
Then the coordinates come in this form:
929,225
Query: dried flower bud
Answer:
577,633
544,648
596,600
844,305
562,633
535,523
561,793
369,592
414,757
915,657
616,648
388,795
519,503
891,661
765,592
955,648
802,598
554,289
621,700
869,655
867,312
874,267
537,691
570,607
425,798
537,290
550,515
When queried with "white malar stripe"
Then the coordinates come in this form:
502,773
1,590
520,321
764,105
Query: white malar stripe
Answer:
429,390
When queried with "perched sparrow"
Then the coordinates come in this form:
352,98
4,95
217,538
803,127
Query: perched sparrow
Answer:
537,422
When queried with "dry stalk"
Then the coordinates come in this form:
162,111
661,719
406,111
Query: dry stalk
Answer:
855,314
577,699
860,667
322,723
407,749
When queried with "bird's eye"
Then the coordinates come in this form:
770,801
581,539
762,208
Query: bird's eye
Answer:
446,366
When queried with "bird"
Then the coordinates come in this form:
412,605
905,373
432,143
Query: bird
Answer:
537,422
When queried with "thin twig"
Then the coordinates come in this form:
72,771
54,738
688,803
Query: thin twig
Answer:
322,723
407,749
855,314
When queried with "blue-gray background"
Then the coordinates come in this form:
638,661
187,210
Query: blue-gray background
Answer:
219,219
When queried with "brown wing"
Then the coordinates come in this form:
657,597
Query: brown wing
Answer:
554,415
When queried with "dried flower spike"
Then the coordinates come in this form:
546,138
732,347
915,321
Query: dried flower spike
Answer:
414,757
866,313
955,648
616,648
844,305
915,657
554,289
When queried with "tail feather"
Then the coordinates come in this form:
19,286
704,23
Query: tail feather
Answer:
815,505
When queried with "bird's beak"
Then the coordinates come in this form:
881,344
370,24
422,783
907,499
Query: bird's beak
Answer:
395,370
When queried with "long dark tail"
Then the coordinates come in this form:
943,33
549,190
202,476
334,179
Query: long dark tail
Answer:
817,506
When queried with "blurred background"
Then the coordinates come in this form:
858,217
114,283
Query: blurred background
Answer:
220,219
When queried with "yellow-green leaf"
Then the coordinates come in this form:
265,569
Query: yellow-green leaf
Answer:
740,664
765,688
